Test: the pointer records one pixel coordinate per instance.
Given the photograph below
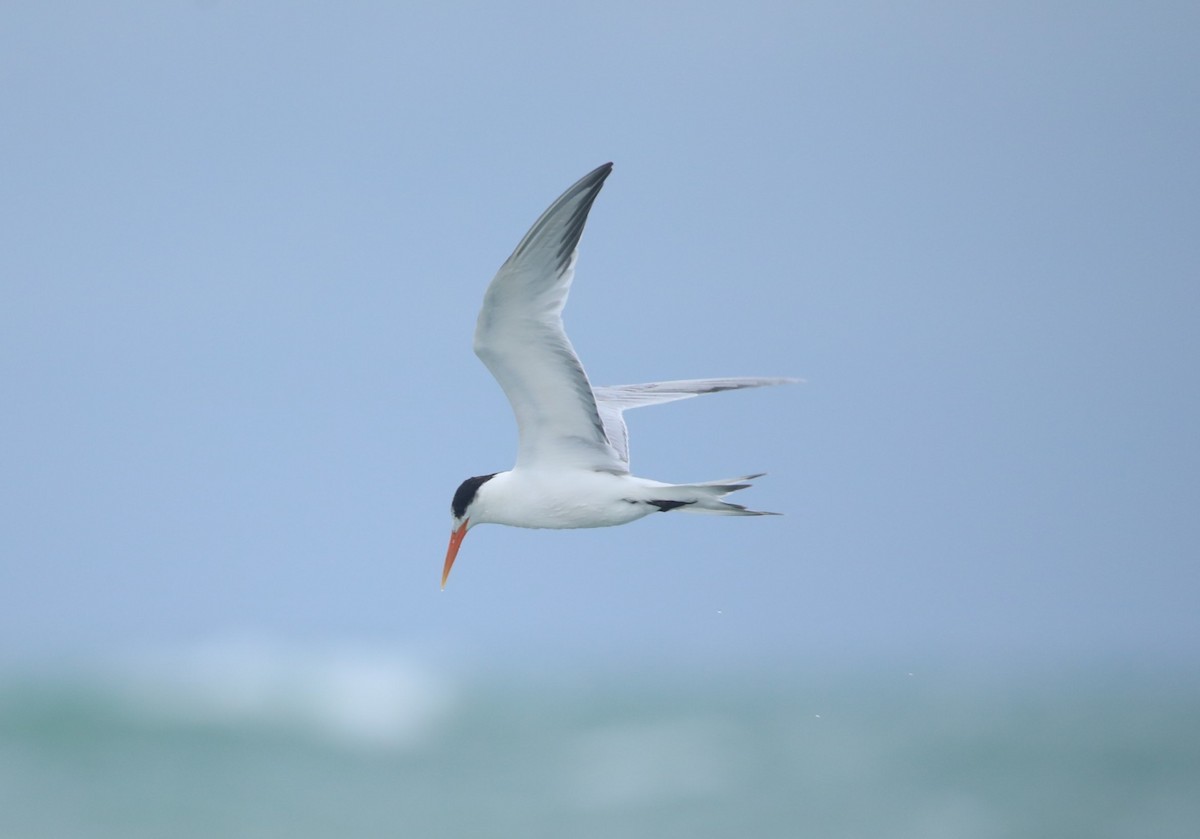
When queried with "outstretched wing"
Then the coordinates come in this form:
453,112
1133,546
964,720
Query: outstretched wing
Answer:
520,337
614,400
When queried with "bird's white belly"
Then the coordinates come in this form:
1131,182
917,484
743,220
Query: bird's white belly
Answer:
566,500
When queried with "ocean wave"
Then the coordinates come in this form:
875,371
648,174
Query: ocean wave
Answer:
354,695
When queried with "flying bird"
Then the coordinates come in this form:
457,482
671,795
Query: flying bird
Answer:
572,467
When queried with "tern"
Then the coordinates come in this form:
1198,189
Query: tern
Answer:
572,467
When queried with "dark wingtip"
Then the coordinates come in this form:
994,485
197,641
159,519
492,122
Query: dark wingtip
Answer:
598,175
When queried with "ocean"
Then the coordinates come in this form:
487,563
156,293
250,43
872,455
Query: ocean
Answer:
264,742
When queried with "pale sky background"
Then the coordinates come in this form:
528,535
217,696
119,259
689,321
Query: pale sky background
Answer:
242,248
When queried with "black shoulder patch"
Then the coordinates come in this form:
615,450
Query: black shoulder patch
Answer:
465,494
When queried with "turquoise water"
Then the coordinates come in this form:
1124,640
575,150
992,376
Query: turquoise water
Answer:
270,745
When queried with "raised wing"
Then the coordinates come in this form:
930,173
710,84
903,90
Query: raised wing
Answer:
612,401
520,337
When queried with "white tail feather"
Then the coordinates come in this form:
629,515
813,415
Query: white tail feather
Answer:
707,497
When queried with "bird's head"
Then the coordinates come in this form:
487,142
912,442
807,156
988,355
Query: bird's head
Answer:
461,509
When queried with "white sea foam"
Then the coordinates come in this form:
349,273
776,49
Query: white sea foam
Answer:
354,695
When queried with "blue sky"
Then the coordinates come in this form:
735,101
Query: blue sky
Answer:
243,247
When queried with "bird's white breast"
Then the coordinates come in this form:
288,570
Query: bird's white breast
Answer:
561,499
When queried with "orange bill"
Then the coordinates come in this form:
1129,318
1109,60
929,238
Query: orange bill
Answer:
456,538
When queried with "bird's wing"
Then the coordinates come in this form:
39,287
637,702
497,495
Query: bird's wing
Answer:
614,400
520,337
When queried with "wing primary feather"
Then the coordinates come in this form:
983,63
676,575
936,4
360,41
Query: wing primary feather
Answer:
589,185
613,400
519,335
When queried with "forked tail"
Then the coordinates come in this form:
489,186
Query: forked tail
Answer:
705,497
